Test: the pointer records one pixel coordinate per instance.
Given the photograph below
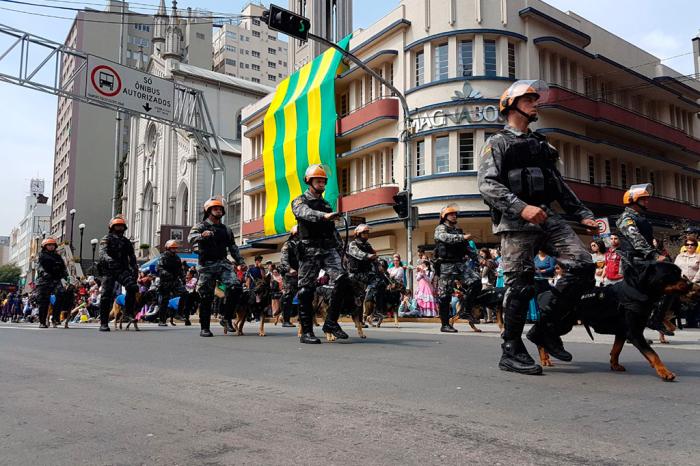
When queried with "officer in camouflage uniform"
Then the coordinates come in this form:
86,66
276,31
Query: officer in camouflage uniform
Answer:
452,251
319,248
362,267
289,268
171,283
50,271
519,179
213,241
117,265
637,246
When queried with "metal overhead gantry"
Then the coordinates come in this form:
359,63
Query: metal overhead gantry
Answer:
190,111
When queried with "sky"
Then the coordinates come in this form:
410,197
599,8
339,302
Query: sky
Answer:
27,117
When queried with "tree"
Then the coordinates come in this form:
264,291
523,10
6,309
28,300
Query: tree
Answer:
9,273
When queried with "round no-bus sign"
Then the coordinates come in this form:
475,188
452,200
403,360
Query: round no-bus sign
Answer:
106,80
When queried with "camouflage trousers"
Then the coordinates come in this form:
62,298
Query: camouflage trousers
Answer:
450,273
42,296
125,278
315,260
213,271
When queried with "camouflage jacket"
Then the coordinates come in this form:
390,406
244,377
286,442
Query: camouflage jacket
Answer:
289,259
499,197
51,266
217,246
637,235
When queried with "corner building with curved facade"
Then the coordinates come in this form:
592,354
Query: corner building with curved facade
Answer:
615,113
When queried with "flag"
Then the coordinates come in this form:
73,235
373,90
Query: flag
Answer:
299,130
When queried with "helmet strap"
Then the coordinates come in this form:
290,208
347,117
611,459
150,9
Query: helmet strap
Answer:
530,118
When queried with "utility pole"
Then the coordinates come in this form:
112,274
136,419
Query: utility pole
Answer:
118,126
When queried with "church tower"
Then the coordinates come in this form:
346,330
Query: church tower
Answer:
160,24
173,38
330,19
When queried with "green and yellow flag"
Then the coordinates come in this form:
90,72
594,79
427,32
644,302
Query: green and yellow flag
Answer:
299,130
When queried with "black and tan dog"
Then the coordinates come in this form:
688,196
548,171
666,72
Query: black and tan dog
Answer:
322,299
246,306
490,297
623,310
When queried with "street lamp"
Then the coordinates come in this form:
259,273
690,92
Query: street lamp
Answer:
81,227
93,243
72,219
63,230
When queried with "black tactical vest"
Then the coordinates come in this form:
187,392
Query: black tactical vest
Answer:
360,266
215,249
292,255
317,232
452,252
529,170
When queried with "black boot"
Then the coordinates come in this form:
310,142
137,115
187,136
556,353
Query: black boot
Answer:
444,308
306,313
104,328
205,317
548,340
515,358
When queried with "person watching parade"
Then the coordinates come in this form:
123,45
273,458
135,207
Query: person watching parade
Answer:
362,267
117,265
319,248
289,268
172,282
213,241
452,251
519,178
51,271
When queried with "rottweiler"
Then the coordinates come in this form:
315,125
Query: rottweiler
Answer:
322,299
623,310
491,298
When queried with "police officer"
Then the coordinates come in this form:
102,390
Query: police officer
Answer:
213,242
171,283
117,265
289,268
320,247
519,179
452,251
364,275
637,246
51,271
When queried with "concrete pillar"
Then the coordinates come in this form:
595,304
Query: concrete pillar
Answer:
502,56
478,54
452,60
428,62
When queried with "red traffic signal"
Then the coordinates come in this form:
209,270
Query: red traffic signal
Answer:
401,204
288,22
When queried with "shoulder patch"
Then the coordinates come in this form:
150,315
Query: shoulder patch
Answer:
486,150
630,222
296,202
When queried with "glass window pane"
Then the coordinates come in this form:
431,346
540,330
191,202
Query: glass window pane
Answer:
440,62
511,60
419,68
442,154
466,151
420,153
465,57
490,57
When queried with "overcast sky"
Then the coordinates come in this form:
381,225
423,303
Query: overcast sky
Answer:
27,118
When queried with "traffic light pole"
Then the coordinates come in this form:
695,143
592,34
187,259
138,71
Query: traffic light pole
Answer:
405,137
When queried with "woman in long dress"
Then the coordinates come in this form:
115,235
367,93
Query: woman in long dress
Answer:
425,295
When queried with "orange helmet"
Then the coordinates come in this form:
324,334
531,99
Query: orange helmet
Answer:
520,88
294,230
448,209
48,241
171,244
315,171
636,192
361,228
213,202
117,220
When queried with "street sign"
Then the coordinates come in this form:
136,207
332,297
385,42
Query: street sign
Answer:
603,228
126,87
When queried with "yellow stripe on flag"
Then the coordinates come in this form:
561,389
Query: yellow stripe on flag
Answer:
314,96
269,129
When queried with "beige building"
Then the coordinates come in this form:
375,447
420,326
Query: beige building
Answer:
617,115
251,51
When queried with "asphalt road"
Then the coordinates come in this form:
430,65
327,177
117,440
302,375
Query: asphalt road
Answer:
407,396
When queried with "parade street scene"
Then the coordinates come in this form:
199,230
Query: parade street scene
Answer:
330,232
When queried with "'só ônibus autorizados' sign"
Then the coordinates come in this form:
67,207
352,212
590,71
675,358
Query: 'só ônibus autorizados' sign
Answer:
129,88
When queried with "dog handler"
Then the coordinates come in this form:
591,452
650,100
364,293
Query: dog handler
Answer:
172,282
117,264
50,272
452,251
366,281
213,241
289,268
319,248
518,178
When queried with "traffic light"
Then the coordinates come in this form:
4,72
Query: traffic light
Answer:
288,22
401,204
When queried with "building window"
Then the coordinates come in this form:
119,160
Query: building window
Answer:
466,151
230,62
230,48
368,89
591,169
490,57
344,181
255,80
420,68
269,37
442,154
420,153
465,57
256,33
652,180
440,62
623,175
255,67
272,64
344,104
638,175
511,60
271,77
199,35
256,22
255,53
608,173
272,51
